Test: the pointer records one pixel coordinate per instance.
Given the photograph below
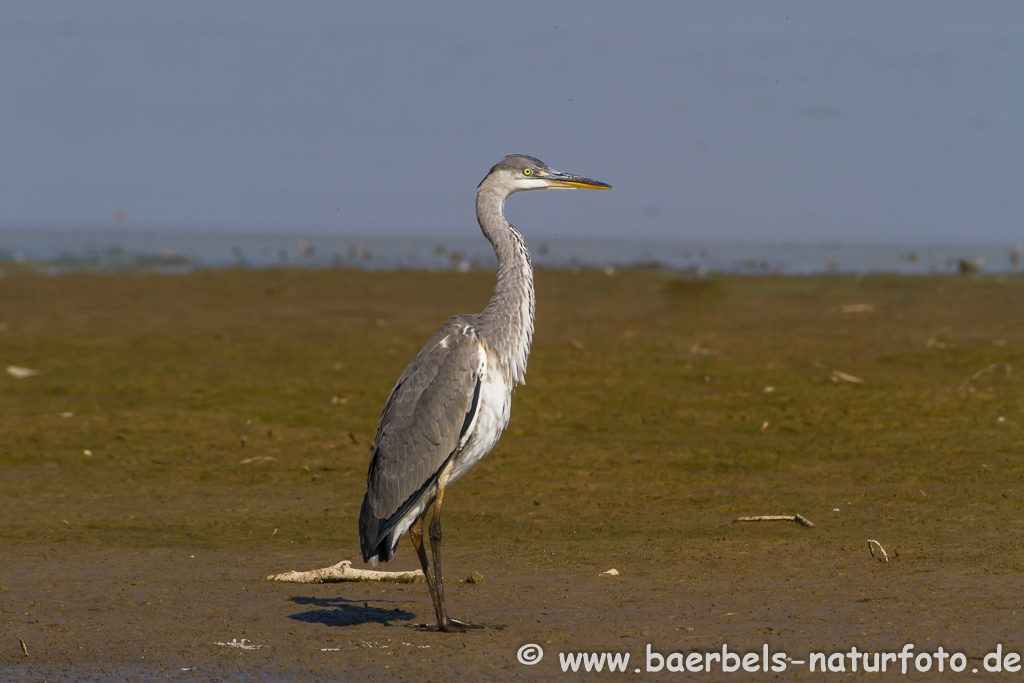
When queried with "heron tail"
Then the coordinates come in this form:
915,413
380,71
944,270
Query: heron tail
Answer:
376,537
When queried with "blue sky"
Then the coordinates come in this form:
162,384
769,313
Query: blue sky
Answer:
856,122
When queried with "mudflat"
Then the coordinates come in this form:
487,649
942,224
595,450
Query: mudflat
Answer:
188,435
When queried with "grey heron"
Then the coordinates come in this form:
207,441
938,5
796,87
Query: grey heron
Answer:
449,407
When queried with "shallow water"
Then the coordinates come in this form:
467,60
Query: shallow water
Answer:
61,251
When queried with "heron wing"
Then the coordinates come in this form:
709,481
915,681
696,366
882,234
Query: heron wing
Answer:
425,417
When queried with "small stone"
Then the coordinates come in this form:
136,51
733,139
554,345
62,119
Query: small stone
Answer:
475,577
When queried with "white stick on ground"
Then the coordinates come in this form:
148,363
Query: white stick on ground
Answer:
885,556
799,519
839,375
343,571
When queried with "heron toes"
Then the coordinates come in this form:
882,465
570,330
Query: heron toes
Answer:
452,626
464,625
456,626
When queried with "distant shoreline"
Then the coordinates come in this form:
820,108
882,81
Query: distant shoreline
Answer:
55,251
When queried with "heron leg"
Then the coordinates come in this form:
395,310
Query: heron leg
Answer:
444,622
416,536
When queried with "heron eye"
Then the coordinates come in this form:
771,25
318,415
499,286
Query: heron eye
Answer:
527,171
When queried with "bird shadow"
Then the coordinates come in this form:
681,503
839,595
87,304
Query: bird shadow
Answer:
343,612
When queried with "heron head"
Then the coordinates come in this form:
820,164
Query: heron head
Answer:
518,172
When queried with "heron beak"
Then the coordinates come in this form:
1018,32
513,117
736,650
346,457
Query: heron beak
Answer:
567,181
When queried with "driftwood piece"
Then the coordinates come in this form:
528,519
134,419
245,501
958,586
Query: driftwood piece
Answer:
343,571
838,376
799,519
871,549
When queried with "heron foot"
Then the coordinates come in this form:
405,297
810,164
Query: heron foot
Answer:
457,626
464,625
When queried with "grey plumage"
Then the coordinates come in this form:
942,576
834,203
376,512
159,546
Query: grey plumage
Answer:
451,404
428,412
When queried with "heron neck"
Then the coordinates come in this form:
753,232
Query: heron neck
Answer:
506,324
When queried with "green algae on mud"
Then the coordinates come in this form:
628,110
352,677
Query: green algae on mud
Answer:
232,412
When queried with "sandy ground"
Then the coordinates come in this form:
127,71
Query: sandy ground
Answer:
188,435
